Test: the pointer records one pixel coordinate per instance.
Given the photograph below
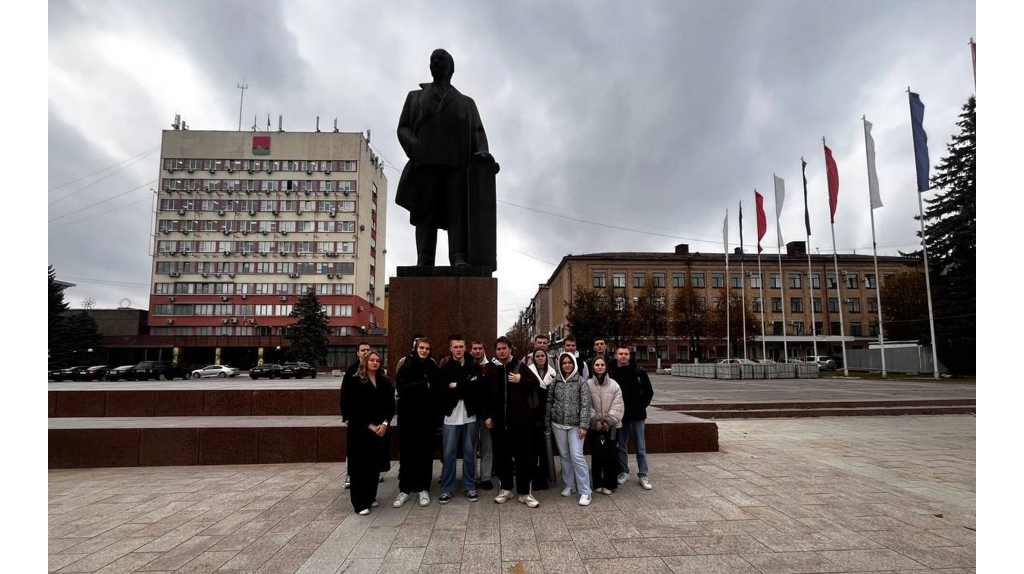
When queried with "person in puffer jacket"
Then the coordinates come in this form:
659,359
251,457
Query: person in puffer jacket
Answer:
605,419
568,416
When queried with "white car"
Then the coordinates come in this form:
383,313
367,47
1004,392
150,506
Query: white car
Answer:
738,361
222,371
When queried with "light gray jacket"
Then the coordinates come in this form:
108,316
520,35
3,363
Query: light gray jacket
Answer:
568,398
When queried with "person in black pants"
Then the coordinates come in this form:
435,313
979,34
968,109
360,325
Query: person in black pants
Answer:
510,413
414,382
368,407
362,349
606,410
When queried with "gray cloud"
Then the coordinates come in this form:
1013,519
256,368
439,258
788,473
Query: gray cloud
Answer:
656,117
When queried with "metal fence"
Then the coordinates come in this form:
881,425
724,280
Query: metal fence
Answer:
740,371
916,359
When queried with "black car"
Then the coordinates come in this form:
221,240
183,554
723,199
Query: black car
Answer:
92,373
126,372
67,374
297,370
159,370
266,371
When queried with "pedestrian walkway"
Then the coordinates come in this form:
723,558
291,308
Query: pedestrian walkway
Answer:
878,494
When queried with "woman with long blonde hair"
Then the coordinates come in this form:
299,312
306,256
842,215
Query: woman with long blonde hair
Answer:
369,406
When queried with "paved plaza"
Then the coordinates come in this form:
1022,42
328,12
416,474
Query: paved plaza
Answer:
849,494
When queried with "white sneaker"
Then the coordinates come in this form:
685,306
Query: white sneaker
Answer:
567,491
400,500
529,500
348,482
424,498
363,512
646,484
585,500
503,496
603,490
623,477
373,504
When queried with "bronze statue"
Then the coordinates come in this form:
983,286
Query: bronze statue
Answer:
447,173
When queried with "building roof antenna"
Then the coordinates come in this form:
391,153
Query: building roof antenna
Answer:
242,87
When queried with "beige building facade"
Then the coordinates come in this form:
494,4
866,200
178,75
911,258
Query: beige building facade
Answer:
785,299
246,222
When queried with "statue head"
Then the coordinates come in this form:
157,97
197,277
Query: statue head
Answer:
442,65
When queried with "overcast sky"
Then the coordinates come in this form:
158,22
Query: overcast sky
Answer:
655,117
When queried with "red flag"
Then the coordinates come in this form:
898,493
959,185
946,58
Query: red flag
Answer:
762,220
832,172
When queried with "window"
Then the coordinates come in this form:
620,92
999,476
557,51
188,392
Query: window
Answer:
325,227
698,280
717,280
835,328
658,279
776,281
796,304
346,227
869,281
599,279
873,328
856,330
816,304
164,310
755,280
343,310
853,305
795,281
343,288
716,302
736,281
702,303
347,206
659,303
778,328
639,280
833,304
815,281
678,280
872,305
756,305
347,246
798,327
222,330
347,186
852,282
830,281
818,327
776,304
620,303
618,279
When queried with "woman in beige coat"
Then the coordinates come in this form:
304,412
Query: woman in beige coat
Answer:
606,410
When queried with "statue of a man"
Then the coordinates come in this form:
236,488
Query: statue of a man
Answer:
441,132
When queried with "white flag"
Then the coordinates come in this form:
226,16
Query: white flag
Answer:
780,195
869,144
725,234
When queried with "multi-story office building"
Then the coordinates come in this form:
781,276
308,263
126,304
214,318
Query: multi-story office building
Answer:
771,294
247,222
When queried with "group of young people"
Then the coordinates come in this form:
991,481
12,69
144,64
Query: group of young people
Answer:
512,408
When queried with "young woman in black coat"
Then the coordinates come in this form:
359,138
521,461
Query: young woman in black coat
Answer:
369,406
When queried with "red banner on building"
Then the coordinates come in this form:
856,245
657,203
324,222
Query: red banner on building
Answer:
261,145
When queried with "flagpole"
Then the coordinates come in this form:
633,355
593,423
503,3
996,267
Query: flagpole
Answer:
924,249
743,285
764,345
782,277
810,277
874,248
839,291
728,323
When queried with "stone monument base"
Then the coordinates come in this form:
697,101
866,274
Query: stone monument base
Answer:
436,307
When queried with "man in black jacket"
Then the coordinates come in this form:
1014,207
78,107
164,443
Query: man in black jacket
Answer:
636,397
460,388
414,382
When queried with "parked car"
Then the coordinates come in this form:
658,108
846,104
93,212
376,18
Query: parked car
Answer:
92,373
159,370
126,372
67,374
823,362
265,371
298,370
222,371
738,361
766,361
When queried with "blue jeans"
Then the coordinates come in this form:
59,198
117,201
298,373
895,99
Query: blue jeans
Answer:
570,450
450,442
633,430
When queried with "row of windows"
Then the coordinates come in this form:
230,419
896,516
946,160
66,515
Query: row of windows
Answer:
261,247
796,280
255,226
345,186
796,304
853,329
203,309
230,288
247,267
307,165
237,331
254,206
